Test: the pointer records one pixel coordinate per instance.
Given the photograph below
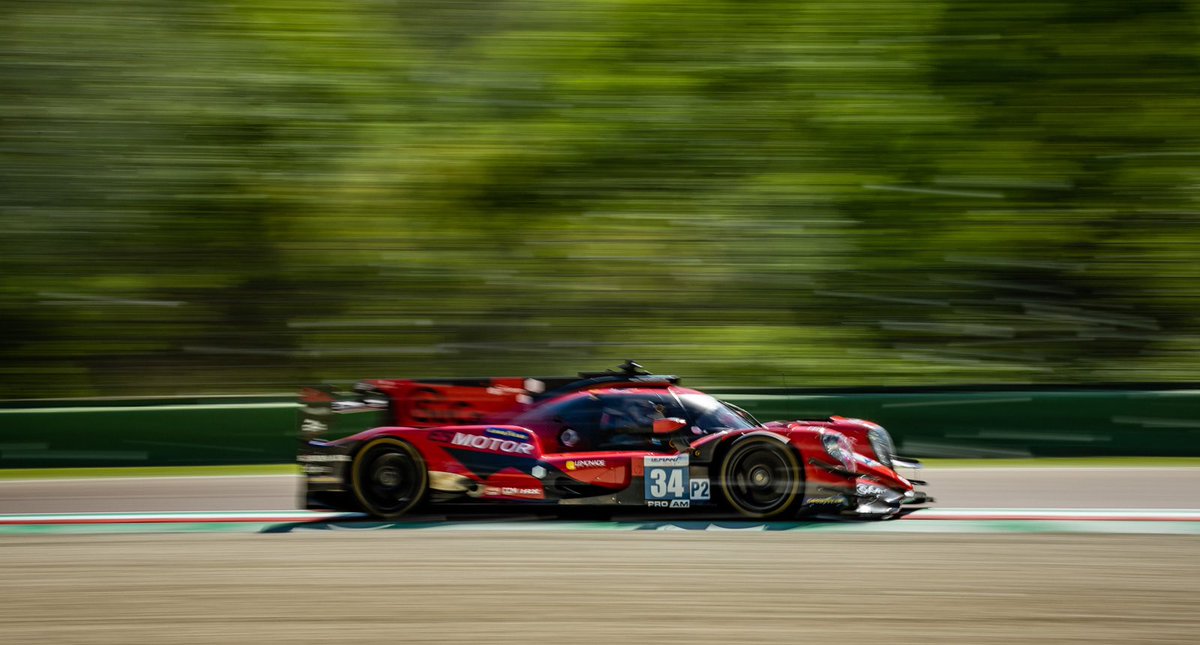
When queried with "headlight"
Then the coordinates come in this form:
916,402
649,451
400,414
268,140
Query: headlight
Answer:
881,443
839,448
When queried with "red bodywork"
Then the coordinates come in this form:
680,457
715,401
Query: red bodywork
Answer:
501,440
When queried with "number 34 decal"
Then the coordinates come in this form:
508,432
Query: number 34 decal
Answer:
668,483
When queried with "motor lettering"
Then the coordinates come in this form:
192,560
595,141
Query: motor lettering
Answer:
495,444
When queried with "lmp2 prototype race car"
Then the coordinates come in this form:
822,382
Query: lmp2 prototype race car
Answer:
623,438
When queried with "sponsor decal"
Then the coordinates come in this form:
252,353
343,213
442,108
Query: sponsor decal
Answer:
505,433
674,503
494,444
322,458
586,463
666,460
313,426
870,490
836,500
512,491
509,490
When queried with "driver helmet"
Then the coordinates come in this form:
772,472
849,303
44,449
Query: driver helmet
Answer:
644,412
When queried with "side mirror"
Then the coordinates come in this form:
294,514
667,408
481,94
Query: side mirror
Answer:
668,425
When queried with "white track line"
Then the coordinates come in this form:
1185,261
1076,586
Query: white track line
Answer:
1056,514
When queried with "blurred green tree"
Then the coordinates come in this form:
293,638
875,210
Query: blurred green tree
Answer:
240,196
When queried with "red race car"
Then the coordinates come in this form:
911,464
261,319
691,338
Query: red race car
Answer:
620,438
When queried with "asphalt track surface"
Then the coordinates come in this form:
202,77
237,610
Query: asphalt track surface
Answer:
593,587
477,585
1175,488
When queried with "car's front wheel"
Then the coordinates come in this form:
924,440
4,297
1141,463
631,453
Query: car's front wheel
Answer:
762,478
389,477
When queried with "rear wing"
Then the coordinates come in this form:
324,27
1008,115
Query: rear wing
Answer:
429,403
425,403
327,413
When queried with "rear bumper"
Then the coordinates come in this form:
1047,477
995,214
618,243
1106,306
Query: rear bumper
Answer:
326,475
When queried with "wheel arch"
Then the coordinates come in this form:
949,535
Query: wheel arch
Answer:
382,439
722,448
405,434
721,451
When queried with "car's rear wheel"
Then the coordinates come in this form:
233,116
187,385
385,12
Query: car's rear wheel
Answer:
761,478
389,477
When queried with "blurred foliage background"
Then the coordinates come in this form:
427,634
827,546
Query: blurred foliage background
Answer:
244,196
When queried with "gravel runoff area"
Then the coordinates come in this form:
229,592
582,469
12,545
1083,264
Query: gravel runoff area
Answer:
590,587
1098,487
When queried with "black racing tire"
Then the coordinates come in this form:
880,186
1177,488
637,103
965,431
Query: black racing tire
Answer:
389,477
761,478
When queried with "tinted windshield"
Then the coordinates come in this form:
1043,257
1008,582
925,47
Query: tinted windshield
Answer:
624,412
710,415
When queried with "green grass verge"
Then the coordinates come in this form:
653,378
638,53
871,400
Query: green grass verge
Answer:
148,471
290,469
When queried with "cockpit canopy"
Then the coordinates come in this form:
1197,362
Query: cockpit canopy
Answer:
623,418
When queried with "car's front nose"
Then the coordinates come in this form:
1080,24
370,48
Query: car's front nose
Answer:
875,499
880,491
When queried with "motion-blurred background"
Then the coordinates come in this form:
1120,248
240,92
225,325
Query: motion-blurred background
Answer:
243,196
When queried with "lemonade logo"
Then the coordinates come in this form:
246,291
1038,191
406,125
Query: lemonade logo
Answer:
586,463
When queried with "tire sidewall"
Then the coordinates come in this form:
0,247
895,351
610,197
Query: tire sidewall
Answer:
357,467
796,470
